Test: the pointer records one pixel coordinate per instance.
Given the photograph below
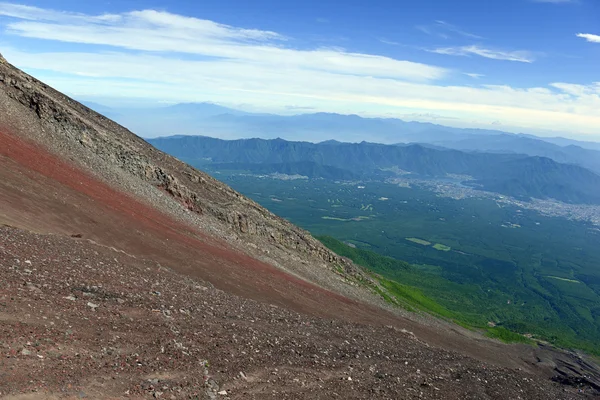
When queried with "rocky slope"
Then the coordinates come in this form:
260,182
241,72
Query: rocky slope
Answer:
118,156
81,320
128,273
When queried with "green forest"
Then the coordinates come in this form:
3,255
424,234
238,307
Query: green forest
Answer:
483,264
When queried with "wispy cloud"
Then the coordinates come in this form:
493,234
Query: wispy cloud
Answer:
473,75
173,58
519,55
299,108
455,29
589,37
578,90
426,117
168,78
156,31
40,20
445,30
34,14
387,41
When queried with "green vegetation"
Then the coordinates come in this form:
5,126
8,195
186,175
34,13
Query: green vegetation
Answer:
437,246
419,241
503,334
359,218
409,297
563,279
483,273
441,247
335,218
414,297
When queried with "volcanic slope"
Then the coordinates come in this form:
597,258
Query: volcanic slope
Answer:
128,273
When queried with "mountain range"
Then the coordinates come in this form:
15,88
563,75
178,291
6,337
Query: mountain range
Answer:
217,121
515,175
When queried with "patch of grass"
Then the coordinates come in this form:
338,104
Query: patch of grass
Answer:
507,336
441,247
339,269
389,299
419,241
414,297
448,304
563,279
336,219
359,218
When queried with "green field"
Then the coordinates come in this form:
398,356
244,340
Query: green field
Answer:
441,247
541,276
335,218
419,241
563,279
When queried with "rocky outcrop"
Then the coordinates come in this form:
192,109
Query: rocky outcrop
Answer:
72,128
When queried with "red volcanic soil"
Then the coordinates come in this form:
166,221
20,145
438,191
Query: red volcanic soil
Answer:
43,193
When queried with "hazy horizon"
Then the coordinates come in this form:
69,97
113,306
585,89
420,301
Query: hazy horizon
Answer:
131,104
453,63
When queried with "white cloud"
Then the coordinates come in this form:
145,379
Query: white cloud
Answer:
444,30
39,14
473,75
589,37
155,31
181,59
453,28
578,90
136,19
169,78
520,55
387,41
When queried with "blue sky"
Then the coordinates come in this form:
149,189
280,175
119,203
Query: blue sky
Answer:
517,65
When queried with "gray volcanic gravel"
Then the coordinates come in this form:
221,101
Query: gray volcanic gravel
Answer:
83,320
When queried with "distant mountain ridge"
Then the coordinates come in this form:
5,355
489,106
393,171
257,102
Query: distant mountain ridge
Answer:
510,174
227,123
523,144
